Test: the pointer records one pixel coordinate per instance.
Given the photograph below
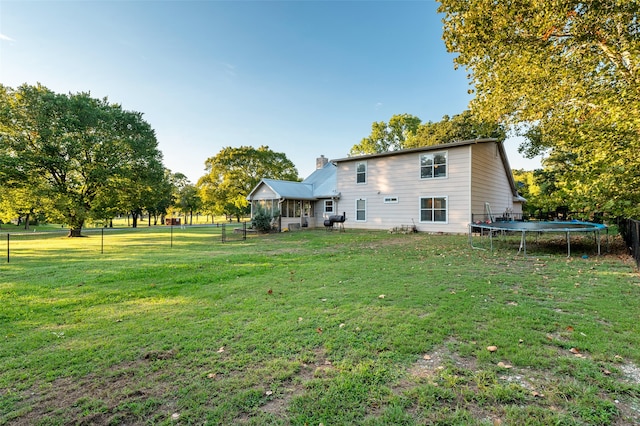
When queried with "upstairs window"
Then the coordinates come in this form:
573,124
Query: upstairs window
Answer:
433,165
361,173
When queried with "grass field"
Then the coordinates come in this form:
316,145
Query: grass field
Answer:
312,328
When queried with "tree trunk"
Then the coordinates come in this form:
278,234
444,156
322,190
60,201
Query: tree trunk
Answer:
75,227
75,232
26,221
134,217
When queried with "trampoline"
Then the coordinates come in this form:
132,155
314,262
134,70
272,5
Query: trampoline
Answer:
539,227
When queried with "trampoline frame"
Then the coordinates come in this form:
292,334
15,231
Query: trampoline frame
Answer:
539,227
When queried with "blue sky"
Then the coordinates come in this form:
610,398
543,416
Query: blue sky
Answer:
306,78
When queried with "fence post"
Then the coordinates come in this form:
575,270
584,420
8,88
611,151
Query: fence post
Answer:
636,241
631,237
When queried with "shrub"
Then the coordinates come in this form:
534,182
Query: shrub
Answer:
261,221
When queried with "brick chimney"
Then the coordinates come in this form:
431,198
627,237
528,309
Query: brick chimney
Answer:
321,162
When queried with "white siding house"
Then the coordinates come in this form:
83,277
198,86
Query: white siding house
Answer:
298,204
435,188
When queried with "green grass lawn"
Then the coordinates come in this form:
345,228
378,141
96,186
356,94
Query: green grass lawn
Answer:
314,327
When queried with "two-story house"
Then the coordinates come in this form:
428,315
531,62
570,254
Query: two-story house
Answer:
435,188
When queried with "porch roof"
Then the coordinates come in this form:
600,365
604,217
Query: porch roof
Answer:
320,184
290,190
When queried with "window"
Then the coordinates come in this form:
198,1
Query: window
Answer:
307,208
361,172
433,209
391,200
267,206
361,210
328,206
433,165
291,208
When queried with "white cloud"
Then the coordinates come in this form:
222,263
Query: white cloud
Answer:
5,38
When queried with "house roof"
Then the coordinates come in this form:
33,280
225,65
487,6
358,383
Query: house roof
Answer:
320,184
324,181
288,189
503,156
418,149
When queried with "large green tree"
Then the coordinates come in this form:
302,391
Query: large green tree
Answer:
142,190
234,172
22,203
407,131
186,196
75,149
161,199
461,126
389,136
537,187
566,74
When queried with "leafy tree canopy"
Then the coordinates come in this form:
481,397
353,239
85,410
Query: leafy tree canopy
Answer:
407,131
533,185
565,74
74,149
459,127
387,136
161,198
234,172
186,196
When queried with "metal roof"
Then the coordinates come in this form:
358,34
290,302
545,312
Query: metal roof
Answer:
288,189
324,181
320,184
418,149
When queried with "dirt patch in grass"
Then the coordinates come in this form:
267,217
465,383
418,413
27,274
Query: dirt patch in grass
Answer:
428,366
135,393
320,367
628,405
430,369
631,373
100,398
437,360
442,368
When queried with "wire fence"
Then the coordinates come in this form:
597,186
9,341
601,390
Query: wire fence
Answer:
234,233
630,231
17,246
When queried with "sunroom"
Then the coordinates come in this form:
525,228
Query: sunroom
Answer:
293,204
